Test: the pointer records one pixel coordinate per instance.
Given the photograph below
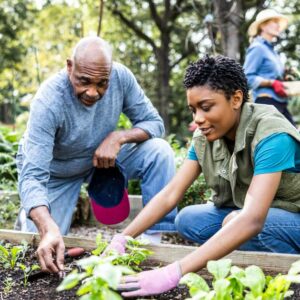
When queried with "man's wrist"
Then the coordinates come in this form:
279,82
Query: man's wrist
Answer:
42,219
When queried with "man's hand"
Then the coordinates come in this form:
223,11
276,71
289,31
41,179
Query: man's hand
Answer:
51,249
106,154
51,252
278,88
151,282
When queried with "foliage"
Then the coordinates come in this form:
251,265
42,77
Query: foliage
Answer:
198,192
8,285
102,275
294,107
101,245
8,149
135,255
9,207
10,254
231,282
27,270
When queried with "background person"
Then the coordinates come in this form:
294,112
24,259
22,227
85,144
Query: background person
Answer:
263,66
250,157
72,129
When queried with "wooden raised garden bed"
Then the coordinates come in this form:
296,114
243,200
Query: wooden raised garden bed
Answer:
163,254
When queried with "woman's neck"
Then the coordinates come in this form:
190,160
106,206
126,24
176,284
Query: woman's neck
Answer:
266,36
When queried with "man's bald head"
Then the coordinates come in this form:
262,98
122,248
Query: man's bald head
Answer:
92,49
89,69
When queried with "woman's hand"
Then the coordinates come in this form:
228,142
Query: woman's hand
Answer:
151,282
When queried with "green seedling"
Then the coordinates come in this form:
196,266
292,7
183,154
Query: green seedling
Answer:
101,245
27,271
8,285
9,255
136,254
102,275
234,283
99,279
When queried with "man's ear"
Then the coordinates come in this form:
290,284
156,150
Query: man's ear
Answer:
237,99
69,65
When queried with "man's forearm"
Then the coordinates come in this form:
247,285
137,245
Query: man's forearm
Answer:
134,135
42,219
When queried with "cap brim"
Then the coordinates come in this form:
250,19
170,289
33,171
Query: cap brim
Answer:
112,215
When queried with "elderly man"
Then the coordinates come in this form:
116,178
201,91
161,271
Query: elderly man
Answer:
72,132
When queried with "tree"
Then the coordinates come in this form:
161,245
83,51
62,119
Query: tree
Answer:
16,16
166,28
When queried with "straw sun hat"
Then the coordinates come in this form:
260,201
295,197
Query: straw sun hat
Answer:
265,15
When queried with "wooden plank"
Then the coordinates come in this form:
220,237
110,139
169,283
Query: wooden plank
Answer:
166,253
268,261
292,87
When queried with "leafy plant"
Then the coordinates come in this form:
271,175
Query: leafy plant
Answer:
9,207
198,192
8,149
99,279
27,271
10,254
101,245
8,285
136,255
234,283
102,275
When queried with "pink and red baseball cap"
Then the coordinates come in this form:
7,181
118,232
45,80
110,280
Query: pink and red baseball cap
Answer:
108,194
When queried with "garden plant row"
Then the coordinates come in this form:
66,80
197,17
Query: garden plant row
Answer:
97,277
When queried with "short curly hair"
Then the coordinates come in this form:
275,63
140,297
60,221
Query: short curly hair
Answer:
219,73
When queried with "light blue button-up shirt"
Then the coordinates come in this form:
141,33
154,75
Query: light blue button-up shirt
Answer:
262,62
62,134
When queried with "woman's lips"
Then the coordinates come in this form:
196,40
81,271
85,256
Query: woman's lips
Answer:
206,131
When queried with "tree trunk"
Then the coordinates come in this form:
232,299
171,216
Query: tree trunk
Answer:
163,80
228,17
6,113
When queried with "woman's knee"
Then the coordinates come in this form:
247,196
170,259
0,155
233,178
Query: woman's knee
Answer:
182,219
198,222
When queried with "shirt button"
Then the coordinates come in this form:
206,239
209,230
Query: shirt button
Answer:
223,171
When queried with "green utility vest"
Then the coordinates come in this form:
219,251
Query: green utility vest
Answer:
229,175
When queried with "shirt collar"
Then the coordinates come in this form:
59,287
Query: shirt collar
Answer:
260,39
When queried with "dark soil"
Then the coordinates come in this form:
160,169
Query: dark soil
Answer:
40,286
43,286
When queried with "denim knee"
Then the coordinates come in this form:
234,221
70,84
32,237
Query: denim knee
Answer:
182,221
160,149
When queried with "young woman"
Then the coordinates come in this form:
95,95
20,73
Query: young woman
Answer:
263,66
249,155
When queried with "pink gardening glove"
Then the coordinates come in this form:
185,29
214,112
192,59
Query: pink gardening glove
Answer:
151,282
117,243
278,88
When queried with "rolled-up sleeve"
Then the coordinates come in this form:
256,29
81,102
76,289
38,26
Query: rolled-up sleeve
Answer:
252,63
37,154
139,109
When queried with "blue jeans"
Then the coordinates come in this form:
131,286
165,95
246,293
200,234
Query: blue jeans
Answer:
281,231
151,161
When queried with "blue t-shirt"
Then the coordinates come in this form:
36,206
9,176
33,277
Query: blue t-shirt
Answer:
275,153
